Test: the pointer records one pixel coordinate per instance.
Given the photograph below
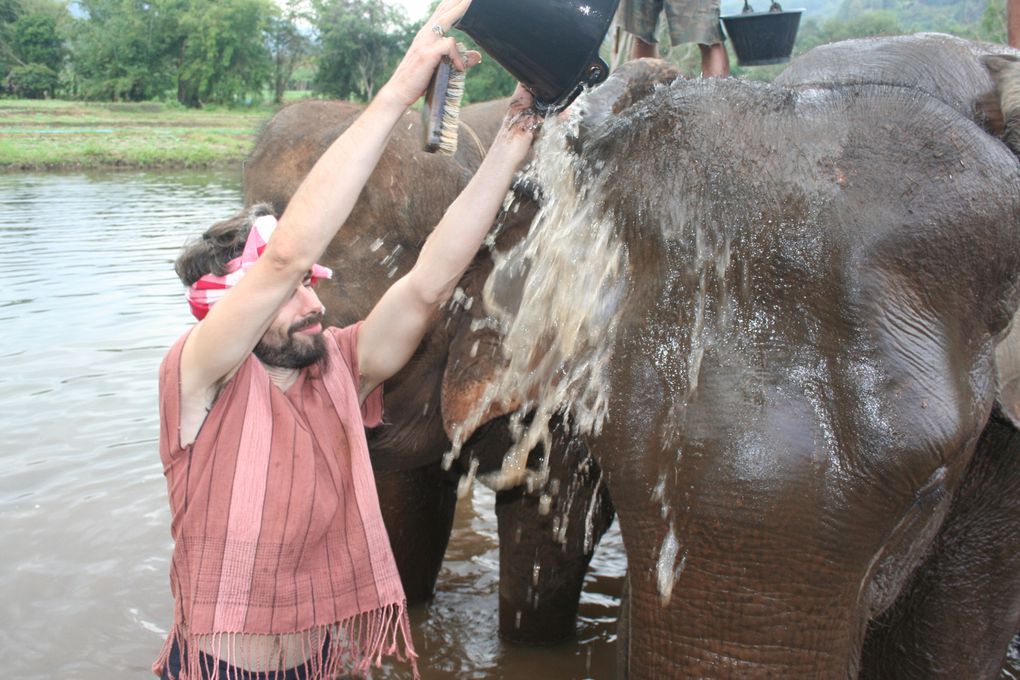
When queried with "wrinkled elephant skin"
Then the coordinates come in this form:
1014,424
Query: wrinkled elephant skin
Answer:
799,441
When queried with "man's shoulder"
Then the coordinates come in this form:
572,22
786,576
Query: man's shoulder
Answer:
344,336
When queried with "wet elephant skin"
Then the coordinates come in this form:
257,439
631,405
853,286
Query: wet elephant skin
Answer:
802,387
814,465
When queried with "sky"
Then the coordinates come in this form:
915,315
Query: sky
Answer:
416,9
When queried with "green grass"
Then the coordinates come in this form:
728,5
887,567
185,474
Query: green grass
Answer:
39,135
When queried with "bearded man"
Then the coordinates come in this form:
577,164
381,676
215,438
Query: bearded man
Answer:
282,567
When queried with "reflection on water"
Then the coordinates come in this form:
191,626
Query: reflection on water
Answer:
88,305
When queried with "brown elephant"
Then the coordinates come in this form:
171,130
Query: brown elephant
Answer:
772,311
404,198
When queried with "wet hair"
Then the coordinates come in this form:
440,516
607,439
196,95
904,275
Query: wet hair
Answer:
220,244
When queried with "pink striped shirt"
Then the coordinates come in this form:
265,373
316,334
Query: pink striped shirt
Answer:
279,540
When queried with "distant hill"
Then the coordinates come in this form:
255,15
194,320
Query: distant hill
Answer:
914,15
818,10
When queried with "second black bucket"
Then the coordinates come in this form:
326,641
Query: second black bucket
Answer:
550,46
761,38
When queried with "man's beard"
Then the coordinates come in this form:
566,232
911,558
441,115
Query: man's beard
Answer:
291,351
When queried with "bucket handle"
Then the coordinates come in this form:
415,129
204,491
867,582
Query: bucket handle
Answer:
775,7
596,72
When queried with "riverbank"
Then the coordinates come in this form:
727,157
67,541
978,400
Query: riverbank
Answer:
57,135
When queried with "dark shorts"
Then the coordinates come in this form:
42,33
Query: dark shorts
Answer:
172,668
690,21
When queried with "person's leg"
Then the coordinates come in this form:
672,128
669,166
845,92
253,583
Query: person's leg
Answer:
1013,22
714,60
642,49
641,20
697,21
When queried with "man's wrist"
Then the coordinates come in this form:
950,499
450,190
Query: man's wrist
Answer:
388,99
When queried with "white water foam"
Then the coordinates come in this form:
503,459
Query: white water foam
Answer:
559,334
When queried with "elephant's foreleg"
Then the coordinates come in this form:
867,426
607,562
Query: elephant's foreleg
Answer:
963,605
546,539
418,507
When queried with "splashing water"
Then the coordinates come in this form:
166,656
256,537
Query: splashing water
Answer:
667,568
559,330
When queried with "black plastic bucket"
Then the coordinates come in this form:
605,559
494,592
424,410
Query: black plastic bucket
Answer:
550,46
761,38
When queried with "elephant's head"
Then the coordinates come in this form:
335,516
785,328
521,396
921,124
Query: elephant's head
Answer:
773,311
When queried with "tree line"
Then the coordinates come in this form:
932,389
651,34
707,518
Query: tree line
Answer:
206,51
240,51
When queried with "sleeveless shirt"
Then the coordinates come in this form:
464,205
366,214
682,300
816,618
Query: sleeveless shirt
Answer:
279,543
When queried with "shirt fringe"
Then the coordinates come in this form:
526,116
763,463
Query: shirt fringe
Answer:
354,646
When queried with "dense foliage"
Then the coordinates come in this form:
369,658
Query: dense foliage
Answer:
199,52
360,43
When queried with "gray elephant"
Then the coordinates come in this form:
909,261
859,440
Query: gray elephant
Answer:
403,200
772,311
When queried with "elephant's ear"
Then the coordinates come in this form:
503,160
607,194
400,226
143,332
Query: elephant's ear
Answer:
1007,368
472,373
476,363
1000,109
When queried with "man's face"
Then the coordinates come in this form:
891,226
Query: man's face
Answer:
294,340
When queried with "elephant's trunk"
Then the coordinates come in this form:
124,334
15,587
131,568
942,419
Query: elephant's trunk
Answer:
729,617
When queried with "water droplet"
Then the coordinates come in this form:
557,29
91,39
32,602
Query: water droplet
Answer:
466,481
667,569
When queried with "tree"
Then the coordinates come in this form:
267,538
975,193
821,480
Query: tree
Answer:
120,48
287,45
223,56
32,81
36,41
197,50
360,43
10,10
993,22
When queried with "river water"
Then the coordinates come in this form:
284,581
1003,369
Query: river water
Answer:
88,305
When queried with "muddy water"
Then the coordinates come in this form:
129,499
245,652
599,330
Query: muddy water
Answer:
88,305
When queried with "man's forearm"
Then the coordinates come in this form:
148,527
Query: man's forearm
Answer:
327,195
452,245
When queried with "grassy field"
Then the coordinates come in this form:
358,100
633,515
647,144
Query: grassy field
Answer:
45,135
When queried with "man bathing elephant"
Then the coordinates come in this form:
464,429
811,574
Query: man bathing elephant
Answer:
282,567
403,198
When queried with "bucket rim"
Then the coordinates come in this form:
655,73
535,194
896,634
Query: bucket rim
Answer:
754,15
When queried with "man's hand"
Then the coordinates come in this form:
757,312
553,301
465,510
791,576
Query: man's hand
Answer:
520,125
415,70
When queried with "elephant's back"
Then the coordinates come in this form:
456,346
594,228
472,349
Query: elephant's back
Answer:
288,146
942,66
